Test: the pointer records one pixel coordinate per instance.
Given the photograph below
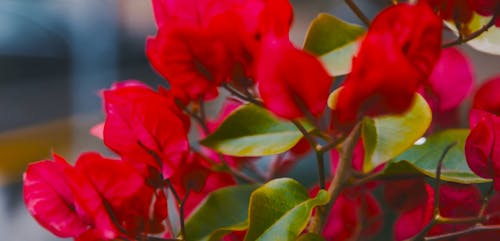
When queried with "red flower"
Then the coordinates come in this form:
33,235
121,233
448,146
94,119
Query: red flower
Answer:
290,80
397,56
197,178
145,128
201,44
487,97
482,147
49,199
398,196
456,201
354,216
88,202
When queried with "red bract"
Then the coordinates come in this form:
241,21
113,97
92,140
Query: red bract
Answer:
456,201
88,202
197,178
201,44
291,82
405,195
145,128
354,216
487,97
397,55
452,71
49,199
482,147
193,62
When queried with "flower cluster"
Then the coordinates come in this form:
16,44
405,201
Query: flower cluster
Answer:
400,76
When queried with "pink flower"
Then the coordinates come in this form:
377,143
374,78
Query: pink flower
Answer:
454,72
145,128
397,55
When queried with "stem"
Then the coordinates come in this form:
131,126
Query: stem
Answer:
436,216
437,194
358,12
463,39
317,149
241,96
181,216
201,120
321,168
306,134
228,168
340,179
474,229
149,238
180,203
486,198
443,220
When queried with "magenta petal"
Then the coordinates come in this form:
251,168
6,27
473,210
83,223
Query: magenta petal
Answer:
454,72
487,97
48,198
481,143
411,222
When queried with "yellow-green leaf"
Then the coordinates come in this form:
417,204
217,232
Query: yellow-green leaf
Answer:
423,159
222,212
386,137
280,210
334,41
253,131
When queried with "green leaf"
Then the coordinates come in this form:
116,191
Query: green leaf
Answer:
222,212
423,159
310,237
280,210
387,136
334,41
253,131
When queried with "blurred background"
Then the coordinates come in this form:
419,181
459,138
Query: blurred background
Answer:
55,56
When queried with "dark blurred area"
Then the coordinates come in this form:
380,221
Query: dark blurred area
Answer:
55,56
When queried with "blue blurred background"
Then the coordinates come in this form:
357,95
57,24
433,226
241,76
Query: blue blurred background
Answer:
55,56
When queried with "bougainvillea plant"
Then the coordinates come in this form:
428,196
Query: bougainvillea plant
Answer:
391,124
